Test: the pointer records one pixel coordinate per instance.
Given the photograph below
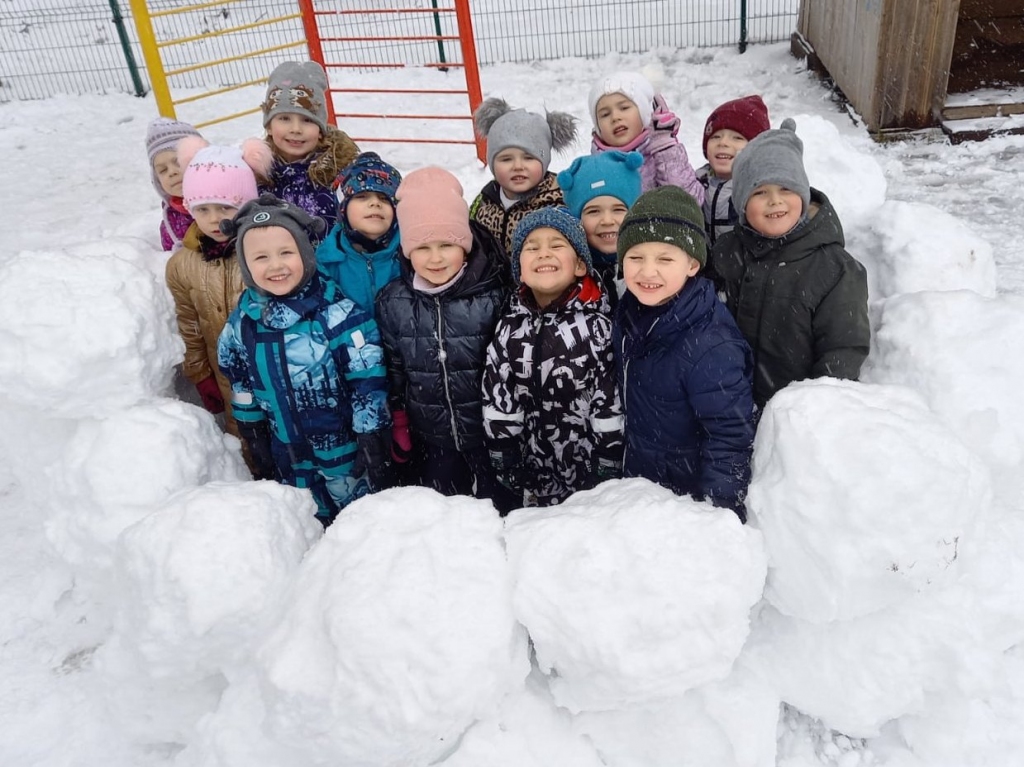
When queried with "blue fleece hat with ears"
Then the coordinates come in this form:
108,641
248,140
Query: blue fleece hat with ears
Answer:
556,217
612,173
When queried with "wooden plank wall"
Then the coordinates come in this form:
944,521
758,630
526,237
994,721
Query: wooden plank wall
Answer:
988,51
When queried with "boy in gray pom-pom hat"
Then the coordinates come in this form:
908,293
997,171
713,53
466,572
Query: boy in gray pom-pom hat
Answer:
799,298
519,145
306,366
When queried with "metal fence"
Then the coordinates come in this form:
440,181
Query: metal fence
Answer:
78,46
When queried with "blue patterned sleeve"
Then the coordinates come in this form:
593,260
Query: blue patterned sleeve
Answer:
355,340
233,363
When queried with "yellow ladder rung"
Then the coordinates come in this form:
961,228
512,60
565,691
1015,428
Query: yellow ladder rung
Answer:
197,126
219,91
249,54
228,31
187,8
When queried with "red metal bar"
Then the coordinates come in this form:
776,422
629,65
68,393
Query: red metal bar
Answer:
397,38
373,11
397,90
380,65
363,116
468,44
316,51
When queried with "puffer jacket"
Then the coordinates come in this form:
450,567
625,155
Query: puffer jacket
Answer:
488,209
800,300
205,292
312,367
359,274
719,213
307,183
665,161
551,394
435,345
685,373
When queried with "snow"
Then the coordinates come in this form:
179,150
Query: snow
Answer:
161,610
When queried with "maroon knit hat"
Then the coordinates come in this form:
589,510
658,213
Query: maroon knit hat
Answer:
747,116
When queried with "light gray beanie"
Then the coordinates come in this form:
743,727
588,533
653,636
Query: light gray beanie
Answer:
773,157
297,87
505,127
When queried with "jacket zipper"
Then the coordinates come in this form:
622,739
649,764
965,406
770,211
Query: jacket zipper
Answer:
442,357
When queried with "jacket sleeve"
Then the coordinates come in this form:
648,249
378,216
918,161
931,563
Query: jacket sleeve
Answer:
504,416
672,167
842,333
166,242
722,399
233,363
397,379
606,419
357,341
197,365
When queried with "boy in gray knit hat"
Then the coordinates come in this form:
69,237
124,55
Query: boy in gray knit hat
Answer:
312,407
683,365
799,298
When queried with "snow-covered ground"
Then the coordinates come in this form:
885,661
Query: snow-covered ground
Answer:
159,610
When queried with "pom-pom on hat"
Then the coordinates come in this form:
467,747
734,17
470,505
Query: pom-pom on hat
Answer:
431,208
632,85
556,217
222,175
266,211
747,116
505,127
665,214
163,134
612,173
773,157
297,87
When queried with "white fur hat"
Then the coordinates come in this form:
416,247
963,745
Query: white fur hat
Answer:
632,85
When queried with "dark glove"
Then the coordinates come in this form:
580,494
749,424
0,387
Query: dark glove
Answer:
373,457
257,437
508,470
209,393
602,470
401,440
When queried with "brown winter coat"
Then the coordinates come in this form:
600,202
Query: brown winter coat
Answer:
488,210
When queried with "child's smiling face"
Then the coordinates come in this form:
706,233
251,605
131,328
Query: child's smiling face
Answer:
655,272
294,135
273,259
548,264
773,210
618,119
517,171
723,146
370,214
601,218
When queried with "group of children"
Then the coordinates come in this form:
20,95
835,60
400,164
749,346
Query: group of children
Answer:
362,330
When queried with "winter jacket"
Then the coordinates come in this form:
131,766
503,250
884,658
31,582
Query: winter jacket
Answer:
551,393
307,183
435,345
800,300
719,214
665,161
311,366
205,291
174,224
359,274
685,373
488,209
606,265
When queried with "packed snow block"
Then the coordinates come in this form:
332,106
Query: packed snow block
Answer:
863,496
198,578
98,338
961,352
114,472
398,635
632,594
914,247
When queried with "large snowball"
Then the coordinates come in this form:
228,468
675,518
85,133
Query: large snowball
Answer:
97,339
199,576
633,594
398,636
965,355
863,496
114,472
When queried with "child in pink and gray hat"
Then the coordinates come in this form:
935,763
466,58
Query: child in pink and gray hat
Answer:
436,321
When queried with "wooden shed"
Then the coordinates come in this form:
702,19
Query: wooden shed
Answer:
911,64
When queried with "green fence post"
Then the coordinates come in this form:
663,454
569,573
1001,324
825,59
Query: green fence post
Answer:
437,30
743,26
126,47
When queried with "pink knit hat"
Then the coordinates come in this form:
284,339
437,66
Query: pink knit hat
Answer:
222,175
430,208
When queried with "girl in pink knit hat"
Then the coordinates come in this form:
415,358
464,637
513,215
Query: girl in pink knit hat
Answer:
436,321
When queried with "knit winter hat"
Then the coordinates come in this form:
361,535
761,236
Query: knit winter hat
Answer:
366,173
163,134
223,175
747,116
505,127
632,85
665,214
612,173
268,210
297,87
773,157
558,218
431,208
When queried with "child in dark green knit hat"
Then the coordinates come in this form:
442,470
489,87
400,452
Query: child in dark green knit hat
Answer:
683,365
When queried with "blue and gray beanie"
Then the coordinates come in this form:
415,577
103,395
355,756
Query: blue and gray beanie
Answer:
561,220
612,173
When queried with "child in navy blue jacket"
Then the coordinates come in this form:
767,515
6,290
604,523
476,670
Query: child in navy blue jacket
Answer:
684,368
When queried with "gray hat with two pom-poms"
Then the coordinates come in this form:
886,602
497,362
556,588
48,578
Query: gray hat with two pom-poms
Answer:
505,127
266,211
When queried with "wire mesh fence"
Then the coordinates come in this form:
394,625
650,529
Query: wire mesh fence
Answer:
73,46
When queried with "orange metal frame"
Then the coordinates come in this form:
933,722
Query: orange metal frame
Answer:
468,65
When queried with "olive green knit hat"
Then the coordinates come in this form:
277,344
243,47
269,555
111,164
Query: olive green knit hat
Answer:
666,214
